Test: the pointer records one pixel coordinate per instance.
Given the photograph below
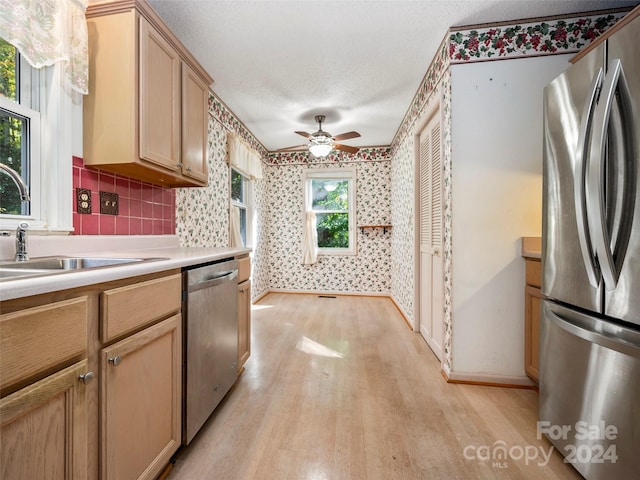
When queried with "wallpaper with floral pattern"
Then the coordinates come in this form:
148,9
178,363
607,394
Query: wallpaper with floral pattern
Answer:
367,272
202,214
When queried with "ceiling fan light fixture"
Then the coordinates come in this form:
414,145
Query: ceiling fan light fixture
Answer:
320,150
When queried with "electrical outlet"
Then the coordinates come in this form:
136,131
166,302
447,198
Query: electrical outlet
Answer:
83,200
109,203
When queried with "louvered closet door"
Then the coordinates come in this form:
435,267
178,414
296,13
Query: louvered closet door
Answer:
431,261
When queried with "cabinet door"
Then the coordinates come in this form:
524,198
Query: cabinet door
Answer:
194,125
532,298
141,402
43,428
159,89
244,323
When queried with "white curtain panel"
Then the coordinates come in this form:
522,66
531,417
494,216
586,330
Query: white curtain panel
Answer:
310,245
235,238
46,32
242,158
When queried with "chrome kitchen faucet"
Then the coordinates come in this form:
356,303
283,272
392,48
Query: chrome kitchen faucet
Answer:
21,231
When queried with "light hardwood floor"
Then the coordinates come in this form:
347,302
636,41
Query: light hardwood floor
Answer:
343,389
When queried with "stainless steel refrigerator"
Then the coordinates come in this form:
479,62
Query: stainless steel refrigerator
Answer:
590,320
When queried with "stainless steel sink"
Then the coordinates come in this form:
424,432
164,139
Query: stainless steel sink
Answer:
51,265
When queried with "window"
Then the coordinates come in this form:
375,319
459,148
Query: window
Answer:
19,131
330,194
241,198
38,117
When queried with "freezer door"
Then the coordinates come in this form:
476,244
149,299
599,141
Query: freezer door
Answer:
623,145
570,273
589,392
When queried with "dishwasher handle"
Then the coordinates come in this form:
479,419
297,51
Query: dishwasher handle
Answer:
213,280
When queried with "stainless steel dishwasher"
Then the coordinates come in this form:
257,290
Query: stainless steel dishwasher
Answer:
210,322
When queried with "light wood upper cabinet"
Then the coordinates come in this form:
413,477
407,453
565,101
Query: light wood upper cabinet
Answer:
160,99
194,125
146,113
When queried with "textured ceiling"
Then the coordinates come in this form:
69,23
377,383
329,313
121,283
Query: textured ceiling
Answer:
276,64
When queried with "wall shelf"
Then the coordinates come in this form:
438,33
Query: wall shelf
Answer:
383,227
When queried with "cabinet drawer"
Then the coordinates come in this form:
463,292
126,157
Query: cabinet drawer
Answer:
128,308
244,269
534,273
38,339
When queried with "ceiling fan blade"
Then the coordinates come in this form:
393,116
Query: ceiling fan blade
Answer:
346,136
346,148
293,148
304,134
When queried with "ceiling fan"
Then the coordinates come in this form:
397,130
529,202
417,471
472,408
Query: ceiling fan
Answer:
321,143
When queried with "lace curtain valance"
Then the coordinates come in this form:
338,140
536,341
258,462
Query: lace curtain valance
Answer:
243,158
49,31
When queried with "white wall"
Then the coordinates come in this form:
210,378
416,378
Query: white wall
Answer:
497,199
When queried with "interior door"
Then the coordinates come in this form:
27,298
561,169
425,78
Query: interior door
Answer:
431,262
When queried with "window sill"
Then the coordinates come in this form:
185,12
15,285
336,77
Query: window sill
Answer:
335,252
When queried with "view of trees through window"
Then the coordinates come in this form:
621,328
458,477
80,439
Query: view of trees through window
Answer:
12,126
330,202
239,186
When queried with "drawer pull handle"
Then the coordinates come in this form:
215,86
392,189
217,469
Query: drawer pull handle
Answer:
87,378
115,361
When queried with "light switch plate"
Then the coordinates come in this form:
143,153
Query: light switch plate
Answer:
83,200
109,203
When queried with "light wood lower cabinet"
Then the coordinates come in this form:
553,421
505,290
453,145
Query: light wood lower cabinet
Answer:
141,402
244,323
58,424
532,296
43,428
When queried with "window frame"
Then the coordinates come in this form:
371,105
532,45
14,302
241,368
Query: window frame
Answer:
348,174
58,111
246,204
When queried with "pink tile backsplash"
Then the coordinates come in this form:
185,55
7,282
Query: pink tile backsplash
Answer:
145,209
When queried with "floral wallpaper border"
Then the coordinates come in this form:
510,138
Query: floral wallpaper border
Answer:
439,65
369,154
548,37
528,39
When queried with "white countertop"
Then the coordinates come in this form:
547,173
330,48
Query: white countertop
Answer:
172,256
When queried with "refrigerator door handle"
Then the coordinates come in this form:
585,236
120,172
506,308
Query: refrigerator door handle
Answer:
579,177
595,198
611,340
